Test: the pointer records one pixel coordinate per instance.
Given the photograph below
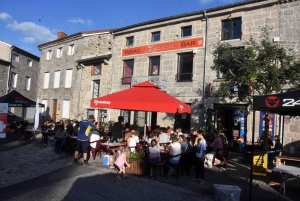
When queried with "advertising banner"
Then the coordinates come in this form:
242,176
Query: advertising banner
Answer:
3,119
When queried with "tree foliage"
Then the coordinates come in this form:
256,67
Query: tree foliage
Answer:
261,67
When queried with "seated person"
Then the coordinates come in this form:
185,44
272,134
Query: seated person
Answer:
216,144
154,152
94,136
61,138
153,136
131,142
278,146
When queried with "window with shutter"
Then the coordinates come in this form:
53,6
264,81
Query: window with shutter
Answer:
56,79
66,109
68,78
96,88
44,109
46,80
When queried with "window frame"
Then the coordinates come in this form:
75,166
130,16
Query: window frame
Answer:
96,93
68,81
44,109
66,109
153,36
93,69
182,28
127,79
231,29
49,54
13,79
46,80
29,62
16,57
71,49
56,79
128,44
151,70
182,76
27,82
59,52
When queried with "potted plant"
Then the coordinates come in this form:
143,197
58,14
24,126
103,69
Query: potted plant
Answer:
138,163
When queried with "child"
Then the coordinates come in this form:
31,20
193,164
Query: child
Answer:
154,152
121,163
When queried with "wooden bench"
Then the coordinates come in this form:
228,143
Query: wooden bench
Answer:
282,159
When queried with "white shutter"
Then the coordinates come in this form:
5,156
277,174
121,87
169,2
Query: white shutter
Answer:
15,80
56,79
28,84
46,80
44,110
68,78
66,109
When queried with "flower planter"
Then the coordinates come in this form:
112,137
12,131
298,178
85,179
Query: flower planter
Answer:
137,167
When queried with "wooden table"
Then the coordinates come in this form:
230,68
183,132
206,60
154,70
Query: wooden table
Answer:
112,147
281,159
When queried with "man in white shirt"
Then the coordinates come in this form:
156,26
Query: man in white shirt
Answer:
163,136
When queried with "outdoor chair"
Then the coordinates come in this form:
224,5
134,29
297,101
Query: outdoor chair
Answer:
159,166
222,156
175,166
97,150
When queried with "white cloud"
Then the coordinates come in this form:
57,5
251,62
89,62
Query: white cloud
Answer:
202,2
5,16
35,34
81,21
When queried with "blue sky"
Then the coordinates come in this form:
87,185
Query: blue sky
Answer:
28,23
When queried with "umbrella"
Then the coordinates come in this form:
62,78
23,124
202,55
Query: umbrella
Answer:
15,99
143,96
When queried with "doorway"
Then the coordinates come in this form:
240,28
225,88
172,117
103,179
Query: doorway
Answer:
54,110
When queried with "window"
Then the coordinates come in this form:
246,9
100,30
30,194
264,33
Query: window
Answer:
96,69
49,54
129,41
90,112
27,83
96,88
155,36
14,79
229,59
127,71
232,29
46,80
154,63
44,109
66,109
185,67
59,52
186,31
56,79
68,82
29,62
71,49
15,57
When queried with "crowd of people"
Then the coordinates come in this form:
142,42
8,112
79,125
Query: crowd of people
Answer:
162,138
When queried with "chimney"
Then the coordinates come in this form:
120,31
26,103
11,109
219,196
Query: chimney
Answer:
61,34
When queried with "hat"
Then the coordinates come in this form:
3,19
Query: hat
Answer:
91,117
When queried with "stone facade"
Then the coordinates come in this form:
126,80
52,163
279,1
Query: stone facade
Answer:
4,70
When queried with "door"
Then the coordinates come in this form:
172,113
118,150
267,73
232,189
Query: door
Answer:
54,110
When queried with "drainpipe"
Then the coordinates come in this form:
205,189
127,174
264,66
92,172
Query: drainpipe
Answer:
112,63
204,72
81,66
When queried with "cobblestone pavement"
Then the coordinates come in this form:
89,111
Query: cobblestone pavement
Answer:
29,161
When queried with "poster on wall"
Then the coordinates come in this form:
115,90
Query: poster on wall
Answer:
3,119
262,124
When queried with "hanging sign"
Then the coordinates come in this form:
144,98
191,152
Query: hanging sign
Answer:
3,119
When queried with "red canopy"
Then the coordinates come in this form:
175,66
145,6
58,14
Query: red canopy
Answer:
144,96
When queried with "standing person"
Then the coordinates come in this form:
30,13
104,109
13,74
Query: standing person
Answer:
163,136
121,163
82,143
200,156
69,128
117,129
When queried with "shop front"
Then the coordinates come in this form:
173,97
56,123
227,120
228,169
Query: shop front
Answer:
228,119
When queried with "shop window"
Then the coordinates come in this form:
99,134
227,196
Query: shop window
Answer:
90,112
128,66
154,63
185,67
186,31
232,29
129,41
96,88
155,36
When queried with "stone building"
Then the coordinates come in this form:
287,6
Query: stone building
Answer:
19,71
61,80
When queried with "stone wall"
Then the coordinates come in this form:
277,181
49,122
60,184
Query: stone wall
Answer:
4,68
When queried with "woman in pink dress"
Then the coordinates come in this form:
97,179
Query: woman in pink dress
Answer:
121,163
